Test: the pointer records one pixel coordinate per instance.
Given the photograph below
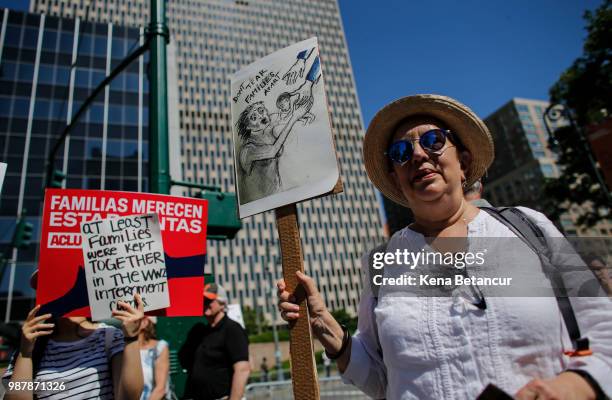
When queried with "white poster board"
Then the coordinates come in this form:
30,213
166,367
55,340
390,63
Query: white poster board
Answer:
123,256
283,142
2,174
234,312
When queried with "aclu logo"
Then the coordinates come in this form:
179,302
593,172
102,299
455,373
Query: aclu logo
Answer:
64,240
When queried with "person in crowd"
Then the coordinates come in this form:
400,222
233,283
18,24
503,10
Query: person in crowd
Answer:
264,369
602,272
216,355
326,364
77,358
422,152
155,356
473,194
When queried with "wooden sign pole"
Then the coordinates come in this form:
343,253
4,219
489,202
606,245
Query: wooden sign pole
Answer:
303,367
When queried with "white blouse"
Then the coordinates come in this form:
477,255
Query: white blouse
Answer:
444,348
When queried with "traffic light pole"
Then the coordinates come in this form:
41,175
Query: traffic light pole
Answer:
556,112
159,163
21,239
9,298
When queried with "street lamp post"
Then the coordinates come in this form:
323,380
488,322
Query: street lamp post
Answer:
159,163
556,112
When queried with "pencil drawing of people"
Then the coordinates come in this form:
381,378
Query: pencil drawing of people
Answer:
262,135
262,146
284,105
297,69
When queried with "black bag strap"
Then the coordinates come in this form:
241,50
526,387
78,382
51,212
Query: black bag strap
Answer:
532,235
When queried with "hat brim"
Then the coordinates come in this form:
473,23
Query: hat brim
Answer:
457,117
210,296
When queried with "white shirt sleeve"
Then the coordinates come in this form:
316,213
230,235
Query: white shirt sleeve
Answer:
594,314
366,369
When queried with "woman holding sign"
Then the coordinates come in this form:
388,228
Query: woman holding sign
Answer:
74,358
421,152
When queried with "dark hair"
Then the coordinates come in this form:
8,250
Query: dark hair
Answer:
40,346
589,258
37,354
242,125
150,332
457,142
281,97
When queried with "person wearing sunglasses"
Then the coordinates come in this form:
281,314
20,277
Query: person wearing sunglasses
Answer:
422,152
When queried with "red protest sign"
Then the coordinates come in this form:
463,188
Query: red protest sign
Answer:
62,288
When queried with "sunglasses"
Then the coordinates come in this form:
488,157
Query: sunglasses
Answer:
432,142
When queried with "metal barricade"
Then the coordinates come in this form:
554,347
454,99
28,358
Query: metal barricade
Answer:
330,388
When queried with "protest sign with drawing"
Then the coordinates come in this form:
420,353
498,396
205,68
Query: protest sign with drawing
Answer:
62,287
284,153
124,256
283,142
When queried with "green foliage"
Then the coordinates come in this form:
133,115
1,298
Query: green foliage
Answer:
586,89
266,337
319,357
344,318
586,86
254,323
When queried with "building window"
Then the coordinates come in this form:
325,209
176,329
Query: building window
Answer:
535,146
49,40
26,72
547,170
30,38
13,34
522,108
21,108
100,46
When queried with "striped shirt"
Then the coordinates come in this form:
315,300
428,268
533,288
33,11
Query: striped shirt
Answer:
83,366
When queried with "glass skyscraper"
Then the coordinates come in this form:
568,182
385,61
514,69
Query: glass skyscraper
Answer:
48,67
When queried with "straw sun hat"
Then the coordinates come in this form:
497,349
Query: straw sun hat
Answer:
458,118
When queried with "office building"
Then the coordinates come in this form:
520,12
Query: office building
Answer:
39,92
215,38
523,160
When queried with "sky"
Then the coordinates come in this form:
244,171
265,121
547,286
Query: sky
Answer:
480,52
15,4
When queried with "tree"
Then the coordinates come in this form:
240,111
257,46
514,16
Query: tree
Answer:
254,322
585,88
345,319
